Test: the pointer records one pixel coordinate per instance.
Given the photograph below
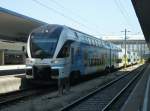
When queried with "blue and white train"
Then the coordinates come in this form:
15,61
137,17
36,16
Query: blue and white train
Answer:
57,51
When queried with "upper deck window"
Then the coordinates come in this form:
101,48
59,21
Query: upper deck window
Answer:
90,42
76,35
93,42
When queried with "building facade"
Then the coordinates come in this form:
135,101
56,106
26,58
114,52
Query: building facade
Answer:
134,43
12,53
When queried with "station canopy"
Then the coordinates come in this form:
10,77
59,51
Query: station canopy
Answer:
16,27
142,9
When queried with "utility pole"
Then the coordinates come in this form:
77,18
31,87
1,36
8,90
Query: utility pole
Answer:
125,39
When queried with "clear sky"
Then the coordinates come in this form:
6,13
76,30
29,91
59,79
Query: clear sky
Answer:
96,17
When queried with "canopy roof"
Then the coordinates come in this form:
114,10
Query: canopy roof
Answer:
142,8
16,27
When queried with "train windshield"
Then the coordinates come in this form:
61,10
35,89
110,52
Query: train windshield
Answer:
43,45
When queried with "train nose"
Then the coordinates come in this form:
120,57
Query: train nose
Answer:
42,72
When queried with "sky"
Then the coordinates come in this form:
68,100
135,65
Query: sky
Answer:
96,17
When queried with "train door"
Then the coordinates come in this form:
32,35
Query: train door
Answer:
76,59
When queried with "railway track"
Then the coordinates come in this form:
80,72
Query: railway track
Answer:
15,96
109,96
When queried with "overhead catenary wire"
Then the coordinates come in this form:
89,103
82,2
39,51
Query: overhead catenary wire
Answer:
75,14
122,11
126,13
62,14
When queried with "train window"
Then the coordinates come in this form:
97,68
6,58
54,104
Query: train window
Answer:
100,43
100,61
82,37
86,39
85,57
64,52
89,62
93,42
76,34
92,62
95,61
90,42
97,43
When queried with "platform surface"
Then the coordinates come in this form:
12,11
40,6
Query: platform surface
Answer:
11,67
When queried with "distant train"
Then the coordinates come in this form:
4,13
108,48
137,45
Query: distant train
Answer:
57,51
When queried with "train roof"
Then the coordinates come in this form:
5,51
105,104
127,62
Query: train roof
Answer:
103,42
85,38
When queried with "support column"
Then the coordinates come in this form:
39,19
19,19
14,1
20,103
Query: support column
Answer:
2,57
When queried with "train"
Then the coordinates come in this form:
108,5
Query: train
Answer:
58,51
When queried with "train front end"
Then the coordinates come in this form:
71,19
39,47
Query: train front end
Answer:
41,48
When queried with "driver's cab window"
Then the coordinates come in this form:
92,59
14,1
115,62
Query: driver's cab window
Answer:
65,50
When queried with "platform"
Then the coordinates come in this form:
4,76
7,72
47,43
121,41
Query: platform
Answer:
146,103
11,67
139,99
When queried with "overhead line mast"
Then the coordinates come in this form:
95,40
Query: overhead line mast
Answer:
125,39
